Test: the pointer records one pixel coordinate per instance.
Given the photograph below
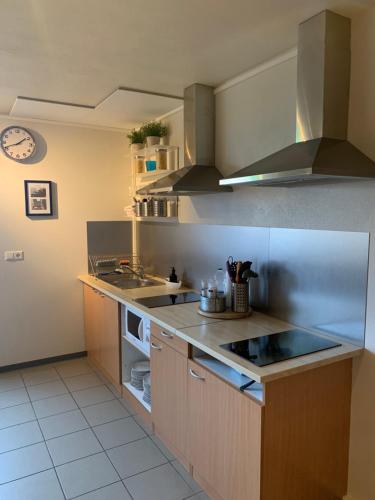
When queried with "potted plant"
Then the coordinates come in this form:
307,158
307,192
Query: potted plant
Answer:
136,138
153,131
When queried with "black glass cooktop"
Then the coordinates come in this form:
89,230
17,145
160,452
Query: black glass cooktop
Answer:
169,300
277,347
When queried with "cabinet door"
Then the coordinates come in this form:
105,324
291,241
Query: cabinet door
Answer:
169,395
91,303
224,436
109,337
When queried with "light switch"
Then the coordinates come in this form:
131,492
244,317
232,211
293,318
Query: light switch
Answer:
13,255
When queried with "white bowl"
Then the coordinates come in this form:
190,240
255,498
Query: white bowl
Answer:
174,286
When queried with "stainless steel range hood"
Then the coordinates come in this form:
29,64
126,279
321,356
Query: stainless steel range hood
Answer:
321,151
198,176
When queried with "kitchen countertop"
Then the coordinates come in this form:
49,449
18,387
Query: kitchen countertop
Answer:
207,334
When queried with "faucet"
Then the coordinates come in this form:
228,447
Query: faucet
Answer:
140,274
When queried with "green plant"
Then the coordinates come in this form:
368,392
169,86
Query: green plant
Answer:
136,136
155,129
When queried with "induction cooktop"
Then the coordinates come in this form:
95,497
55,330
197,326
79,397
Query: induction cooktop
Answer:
169,300
277,347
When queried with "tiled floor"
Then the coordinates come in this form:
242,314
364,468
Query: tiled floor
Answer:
65,433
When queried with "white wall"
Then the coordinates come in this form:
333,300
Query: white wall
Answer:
256,118
40,298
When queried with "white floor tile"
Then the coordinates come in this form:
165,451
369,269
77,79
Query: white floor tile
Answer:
92,396
163,448
64,423
72,368
73,446
115,491
118,432
14,397
80,382
10,380
16,415
104,412
136,457
55,405
86,475
17,436
40,376
162,483
47,390
23,462
41,486
186,476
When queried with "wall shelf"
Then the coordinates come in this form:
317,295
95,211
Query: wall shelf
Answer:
167,220
152,150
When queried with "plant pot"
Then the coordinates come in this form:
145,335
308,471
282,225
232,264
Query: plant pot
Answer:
136,147
152,140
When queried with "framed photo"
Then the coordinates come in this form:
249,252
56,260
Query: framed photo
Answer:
38,198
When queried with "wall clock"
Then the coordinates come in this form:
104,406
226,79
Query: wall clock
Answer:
17,143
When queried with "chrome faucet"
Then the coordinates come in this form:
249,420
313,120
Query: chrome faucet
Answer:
140,274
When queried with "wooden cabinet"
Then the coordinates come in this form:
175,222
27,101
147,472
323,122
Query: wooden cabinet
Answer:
224,444
170,339
169,395
102,331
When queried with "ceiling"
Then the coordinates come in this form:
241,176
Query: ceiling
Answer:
123,109
82,51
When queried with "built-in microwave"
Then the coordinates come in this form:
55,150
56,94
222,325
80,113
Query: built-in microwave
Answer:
137,328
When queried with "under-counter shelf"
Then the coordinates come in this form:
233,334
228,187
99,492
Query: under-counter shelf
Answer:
137,394
230,375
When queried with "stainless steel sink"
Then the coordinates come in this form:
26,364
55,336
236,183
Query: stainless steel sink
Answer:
125,282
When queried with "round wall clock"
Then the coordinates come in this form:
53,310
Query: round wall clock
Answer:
17,143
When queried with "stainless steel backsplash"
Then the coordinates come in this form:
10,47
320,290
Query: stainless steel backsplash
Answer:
314,279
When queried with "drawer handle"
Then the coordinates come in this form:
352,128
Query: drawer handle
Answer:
195,375
157,347
165,334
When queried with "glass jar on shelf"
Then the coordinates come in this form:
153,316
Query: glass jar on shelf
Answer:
139,162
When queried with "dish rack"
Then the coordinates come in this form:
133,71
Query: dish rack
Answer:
105,264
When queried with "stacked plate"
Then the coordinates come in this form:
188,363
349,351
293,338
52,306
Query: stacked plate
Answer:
147,388
138,371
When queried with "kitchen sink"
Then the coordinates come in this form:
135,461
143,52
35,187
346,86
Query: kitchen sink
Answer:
125,282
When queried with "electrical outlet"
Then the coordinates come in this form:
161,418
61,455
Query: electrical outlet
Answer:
13,255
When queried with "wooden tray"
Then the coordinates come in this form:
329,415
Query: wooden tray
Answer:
228,314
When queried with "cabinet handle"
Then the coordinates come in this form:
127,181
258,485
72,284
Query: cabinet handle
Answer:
157,347
165,334
195,375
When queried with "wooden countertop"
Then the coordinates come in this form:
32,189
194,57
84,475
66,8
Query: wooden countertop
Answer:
208,334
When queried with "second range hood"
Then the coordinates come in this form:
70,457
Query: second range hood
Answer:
322,151
199,175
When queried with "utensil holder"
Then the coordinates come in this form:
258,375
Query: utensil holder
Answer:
214,305
146,209
240,297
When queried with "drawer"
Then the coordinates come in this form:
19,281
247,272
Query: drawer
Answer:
170,339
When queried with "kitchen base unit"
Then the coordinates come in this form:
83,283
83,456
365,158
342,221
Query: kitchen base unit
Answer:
294,446
102,333
278,432
169,390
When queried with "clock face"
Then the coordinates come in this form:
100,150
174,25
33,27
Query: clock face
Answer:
17,143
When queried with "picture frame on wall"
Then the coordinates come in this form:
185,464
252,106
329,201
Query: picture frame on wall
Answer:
38,198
